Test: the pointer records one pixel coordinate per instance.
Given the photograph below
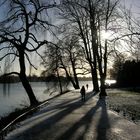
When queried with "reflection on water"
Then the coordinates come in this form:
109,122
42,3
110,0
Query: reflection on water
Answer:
6,89
14,95
110,82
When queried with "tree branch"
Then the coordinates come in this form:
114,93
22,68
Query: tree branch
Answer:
5,39
30,61
7,55
126,35
39,45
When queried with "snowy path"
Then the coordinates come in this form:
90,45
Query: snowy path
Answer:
68,118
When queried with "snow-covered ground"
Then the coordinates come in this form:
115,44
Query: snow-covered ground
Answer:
68,118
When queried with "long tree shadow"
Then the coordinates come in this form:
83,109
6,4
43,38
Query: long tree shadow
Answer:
104,123
65,104
43,113
64,110
85,122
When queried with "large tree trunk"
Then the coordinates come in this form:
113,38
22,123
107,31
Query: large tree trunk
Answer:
94,79
24,80
94,38
102,72
76,81
102,88
27,87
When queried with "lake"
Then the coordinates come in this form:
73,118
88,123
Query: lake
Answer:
16,97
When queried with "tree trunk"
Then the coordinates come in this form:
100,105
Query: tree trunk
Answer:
73,83
71,80
94,48
102,88
24,80
29,91
94,79
76,81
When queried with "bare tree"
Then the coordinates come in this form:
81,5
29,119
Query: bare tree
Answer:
51,62
71,56
103,19
76,14
131,36
68,57
89,18
20,34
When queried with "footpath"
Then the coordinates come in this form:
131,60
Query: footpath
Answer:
68,118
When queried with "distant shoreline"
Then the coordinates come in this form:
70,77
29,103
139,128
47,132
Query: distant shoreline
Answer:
15,79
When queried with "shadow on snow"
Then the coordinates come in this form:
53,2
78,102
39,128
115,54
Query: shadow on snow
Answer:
46,120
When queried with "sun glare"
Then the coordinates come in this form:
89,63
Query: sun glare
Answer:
106,35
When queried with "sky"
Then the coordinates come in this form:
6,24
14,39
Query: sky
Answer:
134,5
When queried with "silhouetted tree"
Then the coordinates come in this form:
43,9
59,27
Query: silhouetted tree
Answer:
117,65
89,18
103,22
71,57
21,33
128,36
67,56
51,63
128,75
76,16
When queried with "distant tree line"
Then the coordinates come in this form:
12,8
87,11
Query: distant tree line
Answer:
9,79
127,73
34,78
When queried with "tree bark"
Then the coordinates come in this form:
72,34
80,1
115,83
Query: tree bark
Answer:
102,88
27,87
94,79
24,80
